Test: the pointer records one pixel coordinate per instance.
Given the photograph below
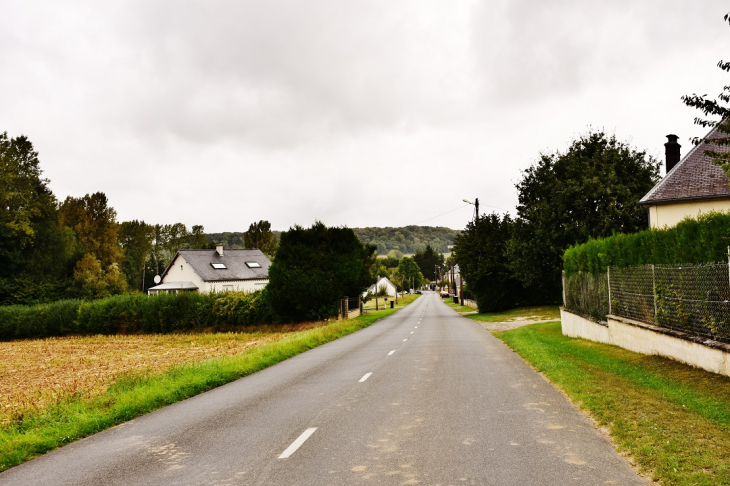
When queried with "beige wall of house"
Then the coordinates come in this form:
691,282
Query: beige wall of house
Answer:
668,215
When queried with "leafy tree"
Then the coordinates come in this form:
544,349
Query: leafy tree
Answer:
427,261
408,273
259,236
135,238
590,191
316,267
395,255
36,253
481,252
197,239
25,200
94,283
95,225
715,107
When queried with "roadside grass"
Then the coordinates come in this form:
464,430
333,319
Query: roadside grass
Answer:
671,419
403,300
136,393
539,313
458,307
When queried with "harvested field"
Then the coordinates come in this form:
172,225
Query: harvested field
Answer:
40,372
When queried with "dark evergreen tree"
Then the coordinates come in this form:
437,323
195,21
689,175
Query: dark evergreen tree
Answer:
427,261
314,269
481,252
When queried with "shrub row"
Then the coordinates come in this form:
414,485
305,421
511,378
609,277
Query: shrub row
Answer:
136,313
703,240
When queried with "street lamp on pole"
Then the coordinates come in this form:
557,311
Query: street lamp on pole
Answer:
476,207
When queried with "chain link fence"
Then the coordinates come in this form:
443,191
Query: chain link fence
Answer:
587,294
691,298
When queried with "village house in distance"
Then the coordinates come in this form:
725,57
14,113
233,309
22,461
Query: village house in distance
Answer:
214,271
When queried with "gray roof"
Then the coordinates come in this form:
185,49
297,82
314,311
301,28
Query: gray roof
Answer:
694,177
234,260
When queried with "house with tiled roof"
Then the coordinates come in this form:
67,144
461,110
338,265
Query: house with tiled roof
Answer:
214,271
693,184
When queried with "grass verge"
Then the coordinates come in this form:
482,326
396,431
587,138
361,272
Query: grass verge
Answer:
673,420
540,313
133,394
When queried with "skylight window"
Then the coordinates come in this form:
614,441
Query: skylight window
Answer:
218,266
253,264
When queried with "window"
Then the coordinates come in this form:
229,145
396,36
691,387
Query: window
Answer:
218,266
253,264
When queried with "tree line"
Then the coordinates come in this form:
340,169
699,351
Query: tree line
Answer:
51,250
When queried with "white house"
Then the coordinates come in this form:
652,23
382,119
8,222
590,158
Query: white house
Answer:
382,282
692,186
215,271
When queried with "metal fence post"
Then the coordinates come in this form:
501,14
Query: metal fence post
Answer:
653,290
608,284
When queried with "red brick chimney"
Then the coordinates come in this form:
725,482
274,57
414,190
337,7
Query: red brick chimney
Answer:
672,151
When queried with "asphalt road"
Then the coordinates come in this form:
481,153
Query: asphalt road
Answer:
422,397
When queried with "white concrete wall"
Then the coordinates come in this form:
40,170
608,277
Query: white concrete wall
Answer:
181,271
669,215
646,339
235,285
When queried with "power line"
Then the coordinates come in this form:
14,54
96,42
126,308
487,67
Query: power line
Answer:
460,207
447,212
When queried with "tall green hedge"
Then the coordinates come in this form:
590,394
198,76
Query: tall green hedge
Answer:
700,240
136,313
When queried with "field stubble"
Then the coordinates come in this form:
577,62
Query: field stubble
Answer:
35,374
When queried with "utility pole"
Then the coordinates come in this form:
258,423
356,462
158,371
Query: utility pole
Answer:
476,209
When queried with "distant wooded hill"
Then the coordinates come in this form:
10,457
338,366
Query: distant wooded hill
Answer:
407,239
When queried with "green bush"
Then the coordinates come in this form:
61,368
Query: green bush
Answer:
700,240
37,321
136,313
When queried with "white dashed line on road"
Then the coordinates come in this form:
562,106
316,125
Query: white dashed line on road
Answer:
406,339
297,443
367,375
391,352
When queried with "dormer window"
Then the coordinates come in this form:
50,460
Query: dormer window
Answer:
253,264
218,266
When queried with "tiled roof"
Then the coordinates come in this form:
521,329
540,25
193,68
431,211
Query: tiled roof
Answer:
694,177
234,260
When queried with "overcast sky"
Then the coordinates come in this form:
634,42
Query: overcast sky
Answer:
356,113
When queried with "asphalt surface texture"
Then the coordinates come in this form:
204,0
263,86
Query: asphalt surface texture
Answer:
424,396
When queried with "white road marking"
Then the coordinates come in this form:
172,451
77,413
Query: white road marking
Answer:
416,327
405,340
391,352
367,375
297,443
412,332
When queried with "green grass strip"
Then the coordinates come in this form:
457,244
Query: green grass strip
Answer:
673,420
136,395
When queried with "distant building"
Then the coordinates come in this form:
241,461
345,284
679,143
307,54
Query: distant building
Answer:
692,186
382,282
215,271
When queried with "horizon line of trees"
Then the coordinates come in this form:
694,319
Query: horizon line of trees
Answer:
51,250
